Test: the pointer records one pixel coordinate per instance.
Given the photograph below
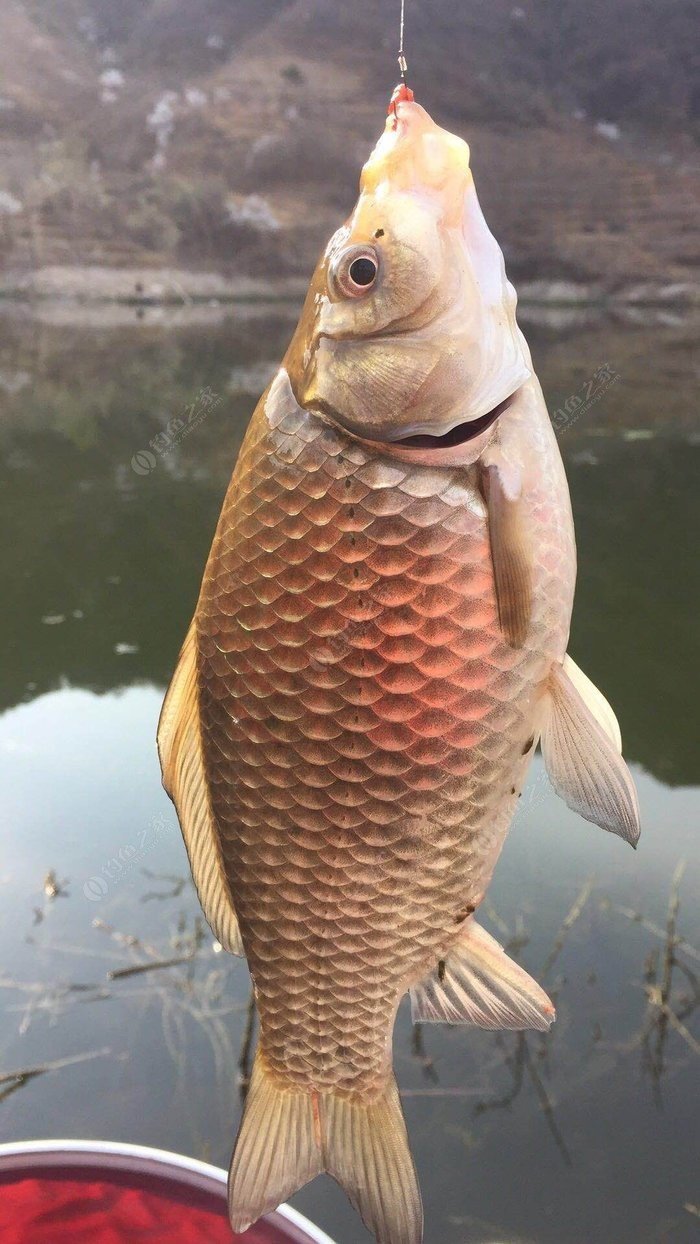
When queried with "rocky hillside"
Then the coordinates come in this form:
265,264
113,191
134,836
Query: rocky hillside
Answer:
227,135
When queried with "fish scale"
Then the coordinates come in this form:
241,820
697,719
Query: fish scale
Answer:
362,717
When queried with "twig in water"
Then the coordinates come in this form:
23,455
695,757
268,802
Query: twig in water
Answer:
17,1079
694,983
138,968
547,1108
246,1047
130,940
53,888
655,997
637,918
420,1053
661,1014
517,1066
178,884
440,1092
660,996
568,923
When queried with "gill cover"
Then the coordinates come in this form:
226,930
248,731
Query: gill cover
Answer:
431,340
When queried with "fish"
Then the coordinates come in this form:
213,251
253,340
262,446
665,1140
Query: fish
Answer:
379,644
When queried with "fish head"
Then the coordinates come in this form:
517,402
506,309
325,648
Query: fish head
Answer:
408,333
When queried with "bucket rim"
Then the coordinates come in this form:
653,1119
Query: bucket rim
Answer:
143,1159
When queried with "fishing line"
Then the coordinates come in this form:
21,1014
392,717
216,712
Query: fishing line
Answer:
403,65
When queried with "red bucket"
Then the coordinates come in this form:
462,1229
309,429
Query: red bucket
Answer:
97,1192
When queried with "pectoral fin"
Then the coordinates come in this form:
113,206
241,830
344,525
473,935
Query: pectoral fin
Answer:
581,749
180,752
510,547
478,984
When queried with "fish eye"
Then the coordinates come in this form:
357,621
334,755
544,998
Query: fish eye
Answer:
355,271
362,271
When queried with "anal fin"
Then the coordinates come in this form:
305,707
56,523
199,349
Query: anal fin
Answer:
581,749
477,983
184,778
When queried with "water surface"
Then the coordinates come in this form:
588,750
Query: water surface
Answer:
588,1135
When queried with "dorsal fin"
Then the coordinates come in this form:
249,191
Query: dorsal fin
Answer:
184,778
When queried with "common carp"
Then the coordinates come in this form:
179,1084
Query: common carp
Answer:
379,643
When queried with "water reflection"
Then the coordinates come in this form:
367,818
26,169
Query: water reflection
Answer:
118,1016
104,562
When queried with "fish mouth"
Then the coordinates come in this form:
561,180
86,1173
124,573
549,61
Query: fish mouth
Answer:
458,434
460,445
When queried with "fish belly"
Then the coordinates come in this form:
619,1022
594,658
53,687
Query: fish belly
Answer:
366,729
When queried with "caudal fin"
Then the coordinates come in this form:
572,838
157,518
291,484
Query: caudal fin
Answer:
287,1137
367,1152
276,1151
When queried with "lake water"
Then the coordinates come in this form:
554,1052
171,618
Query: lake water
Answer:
588,1135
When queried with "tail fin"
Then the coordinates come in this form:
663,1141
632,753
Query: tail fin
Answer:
368,1154
287,1137
276,1151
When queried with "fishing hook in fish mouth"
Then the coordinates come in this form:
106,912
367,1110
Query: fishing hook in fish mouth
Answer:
402,94
403,91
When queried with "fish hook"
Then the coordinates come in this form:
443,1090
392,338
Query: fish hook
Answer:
403,90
